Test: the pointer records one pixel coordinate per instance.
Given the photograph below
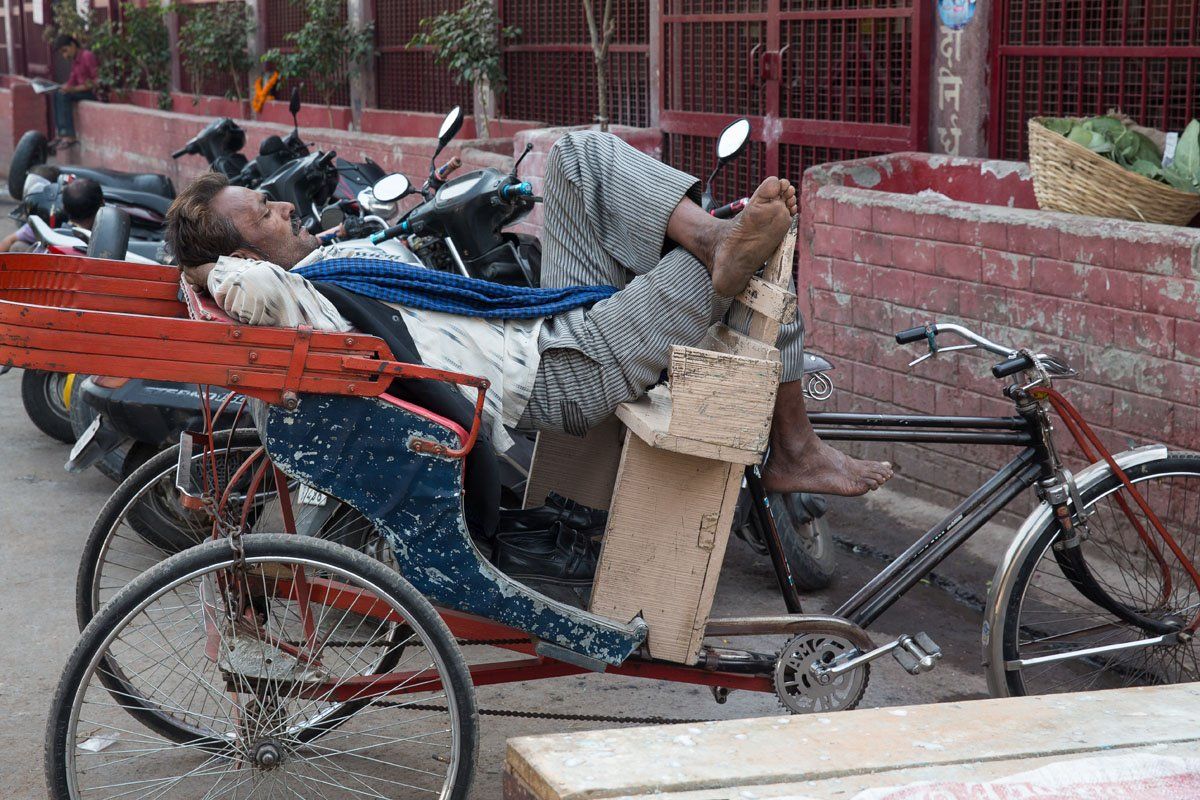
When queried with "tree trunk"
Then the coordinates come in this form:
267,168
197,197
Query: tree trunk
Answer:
602,92
484,99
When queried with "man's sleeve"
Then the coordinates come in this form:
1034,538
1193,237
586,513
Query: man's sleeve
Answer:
25,234
262,293
90,66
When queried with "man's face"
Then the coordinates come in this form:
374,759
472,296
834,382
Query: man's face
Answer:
68,51
271,230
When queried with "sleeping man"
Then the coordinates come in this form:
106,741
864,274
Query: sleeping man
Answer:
613,216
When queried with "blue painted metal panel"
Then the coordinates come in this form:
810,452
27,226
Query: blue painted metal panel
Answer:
357,449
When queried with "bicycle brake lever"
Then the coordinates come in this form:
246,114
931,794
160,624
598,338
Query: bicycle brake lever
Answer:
935,353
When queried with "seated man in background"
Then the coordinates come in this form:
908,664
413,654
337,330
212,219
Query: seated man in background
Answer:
613,216
80,85
81,199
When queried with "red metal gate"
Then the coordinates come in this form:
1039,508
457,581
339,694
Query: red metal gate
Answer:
551,71
1075,58
820,80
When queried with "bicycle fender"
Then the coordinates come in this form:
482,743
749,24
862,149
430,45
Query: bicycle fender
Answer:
1020,548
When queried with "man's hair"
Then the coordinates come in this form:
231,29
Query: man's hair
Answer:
195,233
82,198
64,39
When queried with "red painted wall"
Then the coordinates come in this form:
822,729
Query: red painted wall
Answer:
882,253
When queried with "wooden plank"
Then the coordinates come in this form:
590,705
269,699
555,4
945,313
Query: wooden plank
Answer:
776,302
779,267
650,419
664,545
721,398
725,339
582,468
767,758
763,328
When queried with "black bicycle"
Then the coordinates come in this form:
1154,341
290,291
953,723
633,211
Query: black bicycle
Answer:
1098,589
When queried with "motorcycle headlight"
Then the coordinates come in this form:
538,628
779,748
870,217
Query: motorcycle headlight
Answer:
369,205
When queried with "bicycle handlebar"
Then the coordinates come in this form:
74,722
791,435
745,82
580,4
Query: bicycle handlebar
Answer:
1012,366
914,334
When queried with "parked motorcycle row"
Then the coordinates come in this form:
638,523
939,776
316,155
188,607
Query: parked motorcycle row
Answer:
455,225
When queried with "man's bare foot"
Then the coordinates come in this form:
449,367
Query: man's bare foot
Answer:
742,245
821,469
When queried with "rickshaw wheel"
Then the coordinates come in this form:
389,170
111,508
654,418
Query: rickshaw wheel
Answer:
143,522
232,654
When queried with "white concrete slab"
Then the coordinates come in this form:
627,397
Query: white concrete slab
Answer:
960,741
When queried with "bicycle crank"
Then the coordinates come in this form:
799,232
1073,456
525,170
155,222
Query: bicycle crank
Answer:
802,683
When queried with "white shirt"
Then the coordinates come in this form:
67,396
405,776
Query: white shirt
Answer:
505,352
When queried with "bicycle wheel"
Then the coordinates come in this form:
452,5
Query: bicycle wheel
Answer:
1043,612
259,679
143,521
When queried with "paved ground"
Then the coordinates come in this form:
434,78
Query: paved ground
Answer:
45,514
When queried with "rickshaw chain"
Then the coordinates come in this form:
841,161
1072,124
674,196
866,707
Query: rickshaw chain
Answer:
504,712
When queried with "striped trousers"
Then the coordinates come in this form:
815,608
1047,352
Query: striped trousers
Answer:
605,222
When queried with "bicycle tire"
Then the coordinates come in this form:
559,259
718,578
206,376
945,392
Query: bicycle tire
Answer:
1038,611
807,546
236,739
146,503
42,396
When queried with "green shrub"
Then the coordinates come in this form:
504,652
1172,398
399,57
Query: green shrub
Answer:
213,42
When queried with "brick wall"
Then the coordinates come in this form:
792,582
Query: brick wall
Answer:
20,110
882,252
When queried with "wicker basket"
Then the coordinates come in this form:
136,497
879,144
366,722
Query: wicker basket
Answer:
1069,177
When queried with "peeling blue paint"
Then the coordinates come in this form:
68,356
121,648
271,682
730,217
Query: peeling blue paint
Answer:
356,449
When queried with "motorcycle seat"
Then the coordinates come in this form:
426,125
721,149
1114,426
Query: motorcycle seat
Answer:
147,182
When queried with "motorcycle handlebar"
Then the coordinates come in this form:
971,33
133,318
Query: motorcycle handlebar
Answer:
443,172
511,190
729,209
183,151
398,229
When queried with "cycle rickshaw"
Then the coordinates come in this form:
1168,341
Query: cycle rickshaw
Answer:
280,664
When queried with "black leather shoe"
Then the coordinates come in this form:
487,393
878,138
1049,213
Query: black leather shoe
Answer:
560,555
557,509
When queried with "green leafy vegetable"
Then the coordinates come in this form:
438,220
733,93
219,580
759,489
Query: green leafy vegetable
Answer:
1115,139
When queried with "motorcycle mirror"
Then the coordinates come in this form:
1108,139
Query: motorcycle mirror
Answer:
391,188
331,217
733,140
294,102
450,126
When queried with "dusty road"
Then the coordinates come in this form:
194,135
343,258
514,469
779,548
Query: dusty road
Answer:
45,513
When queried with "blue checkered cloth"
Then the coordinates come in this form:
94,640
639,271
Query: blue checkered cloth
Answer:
430,290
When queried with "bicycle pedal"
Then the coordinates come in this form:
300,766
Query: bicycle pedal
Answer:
917,654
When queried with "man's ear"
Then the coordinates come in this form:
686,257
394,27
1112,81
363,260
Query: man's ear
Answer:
245,252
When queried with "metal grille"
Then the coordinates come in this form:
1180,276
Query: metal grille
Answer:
408,79
282,17
820,80
710,67
696,155
1070,58
848,69
551,72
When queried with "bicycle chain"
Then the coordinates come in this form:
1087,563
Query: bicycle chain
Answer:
504,712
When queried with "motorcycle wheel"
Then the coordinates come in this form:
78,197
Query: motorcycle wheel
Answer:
31,150
46,398
807,543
